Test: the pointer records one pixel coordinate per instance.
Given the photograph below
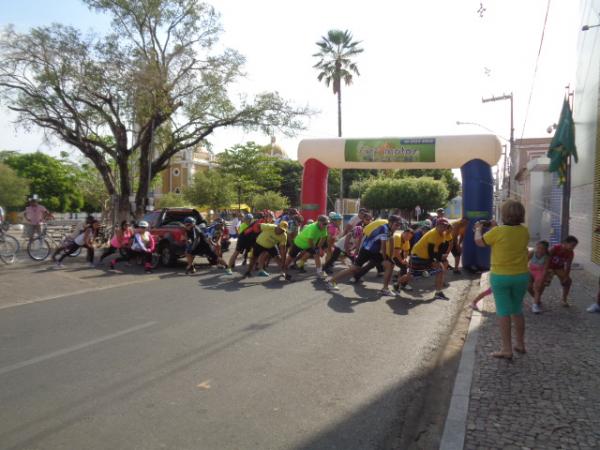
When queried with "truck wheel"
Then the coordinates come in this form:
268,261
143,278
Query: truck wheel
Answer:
168,258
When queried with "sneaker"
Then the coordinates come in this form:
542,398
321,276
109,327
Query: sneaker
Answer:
321,274
440,296
59,265
332,286
263,273
595,308
406,287
228,271
425,274
354,280
387,293
536,309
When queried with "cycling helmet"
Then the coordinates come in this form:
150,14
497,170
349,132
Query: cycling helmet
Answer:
248,217
335,216
323,219
143,224
189,220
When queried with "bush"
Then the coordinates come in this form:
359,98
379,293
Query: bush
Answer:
270,200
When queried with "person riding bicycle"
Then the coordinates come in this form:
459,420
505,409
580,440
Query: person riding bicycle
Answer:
35,215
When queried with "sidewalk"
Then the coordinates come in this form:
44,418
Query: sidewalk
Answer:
548,398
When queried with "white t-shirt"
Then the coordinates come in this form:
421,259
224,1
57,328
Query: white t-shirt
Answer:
341,242
234,225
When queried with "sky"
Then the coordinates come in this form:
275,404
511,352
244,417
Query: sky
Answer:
426,64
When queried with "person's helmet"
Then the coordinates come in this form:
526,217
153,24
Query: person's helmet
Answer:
202,226
283,225
440,210
335,216
143,224
189,219
248,217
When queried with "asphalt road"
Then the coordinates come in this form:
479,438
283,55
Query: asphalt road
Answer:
215,362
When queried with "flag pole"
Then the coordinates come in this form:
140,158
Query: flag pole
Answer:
566,202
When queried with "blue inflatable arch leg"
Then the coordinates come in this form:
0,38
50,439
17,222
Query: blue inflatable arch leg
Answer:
478,202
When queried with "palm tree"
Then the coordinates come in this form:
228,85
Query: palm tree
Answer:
335,63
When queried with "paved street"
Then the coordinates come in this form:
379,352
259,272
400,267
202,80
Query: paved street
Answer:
96,360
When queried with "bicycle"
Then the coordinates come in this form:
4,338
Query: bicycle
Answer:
40,246
9,245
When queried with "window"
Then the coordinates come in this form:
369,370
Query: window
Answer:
177,190
176,172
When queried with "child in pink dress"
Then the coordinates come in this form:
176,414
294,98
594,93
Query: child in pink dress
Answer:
538,260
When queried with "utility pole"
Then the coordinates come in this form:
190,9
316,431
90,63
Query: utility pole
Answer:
512,136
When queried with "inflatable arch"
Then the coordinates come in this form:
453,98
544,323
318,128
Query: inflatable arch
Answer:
474,154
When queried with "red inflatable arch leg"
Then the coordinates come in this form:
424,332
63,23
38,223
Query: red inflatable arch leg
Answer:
314,189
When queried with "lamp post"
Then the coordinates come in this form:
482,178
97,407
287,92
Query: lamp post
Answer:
512,130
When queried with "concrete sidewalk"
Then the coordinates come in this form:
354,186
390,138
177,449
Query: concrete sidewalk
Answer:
550,397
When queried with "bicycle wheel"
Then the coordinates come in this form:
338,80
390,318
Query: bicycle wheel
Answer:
38,248
9,247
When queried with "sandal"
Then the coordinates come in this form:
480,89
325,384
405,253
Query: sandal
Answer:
520,350
502,355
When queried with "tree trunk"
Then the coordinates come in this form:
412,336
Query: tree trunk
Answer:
340,135
123,207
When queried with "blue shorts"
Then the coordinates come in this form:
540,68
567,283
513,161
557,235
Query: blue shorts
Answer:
509,291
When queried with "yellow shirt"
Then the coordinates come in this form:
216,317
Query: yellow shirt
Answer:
373,225
398,243
509,249
421,248
268,238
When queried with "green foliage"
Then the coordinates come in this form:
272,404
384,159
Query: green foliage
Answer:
172,200
161,68
291,179
335,59
445,175
270,200
13,189
55,181
211,189
249,169
405,193
91,187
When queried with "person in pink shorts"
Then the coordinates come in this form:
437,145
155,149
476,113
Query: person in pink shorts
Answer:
538,260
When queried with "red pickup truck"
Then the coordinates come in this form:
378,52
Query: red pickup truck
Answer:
166,225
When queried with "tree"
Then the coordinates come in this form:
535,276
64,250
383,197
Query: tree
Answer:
172,200
211,189
405,193
151,88
446,175
89,183
270,200
52,179
291,179
13,189
250,170
335,63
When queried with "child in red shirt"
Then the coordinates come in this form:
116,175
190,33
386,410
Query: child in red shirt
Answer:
559,264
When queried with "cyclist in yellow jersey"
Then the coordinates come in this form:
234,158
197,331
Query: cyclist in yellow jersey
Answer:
431,253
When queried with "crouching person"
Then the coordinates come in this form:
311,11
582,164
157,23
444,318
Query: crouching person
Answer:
198,244
270,243
142,246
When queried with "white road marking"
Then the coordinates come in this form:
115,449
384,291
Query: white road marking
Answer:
204,385
64,351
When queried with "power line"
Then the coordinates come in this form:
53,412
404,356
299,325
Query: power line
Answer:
537,60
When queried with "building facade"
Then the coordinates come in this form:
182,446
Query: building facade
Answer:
180,172
585,186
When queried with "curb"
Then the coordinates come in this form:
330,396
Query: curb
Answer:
455,428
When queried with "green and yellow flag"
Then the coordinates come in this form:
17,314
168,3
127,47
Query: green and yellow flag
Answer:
563,144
